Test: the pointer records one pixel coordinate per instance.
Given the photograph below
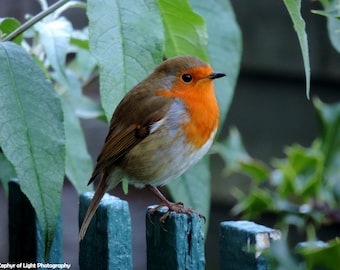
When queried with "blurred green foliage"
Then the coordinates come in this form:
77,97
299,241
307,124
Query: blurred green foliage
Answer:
302,189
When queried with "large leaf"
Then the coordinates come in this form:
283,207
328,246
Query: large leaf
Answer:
32,133
294,7
185,30
78,161
224,47
126,37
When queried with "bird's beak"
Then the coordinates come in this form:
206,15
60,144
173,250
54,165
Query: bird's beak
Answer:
216,75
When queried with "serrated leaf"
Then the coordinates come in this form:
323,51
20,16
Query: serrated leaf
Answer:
257,202
32,133
307,164
193,188
255,169
7,26
232,151
294,10
78,161
224,47
126,38
185,30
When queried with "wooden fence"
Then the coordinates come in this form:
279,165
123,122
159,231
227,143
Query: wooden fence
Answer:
176,244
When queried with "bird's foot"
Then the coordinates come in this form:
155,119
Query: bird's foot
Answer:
174,207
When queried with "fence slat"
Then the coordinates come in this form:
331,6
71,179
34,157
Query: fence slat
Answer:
176,244
241,244
26,240
107,243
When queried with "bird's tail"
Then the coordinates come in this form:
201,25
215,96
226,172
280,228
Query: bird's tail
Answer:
98,195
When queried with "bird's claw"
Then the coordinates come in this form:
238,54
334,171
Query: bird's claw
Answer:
173,207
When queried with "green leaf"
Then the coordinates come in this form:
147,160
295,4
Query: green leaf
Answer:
87,108
332,11
7,171
224,47
126,38
255,169
125,186
237,159
32,133
232,151
294,7
307,164
193,188
254,204
185,30
329,121
55,37
66,6
326,256
7,26
79,42
83,65
78,161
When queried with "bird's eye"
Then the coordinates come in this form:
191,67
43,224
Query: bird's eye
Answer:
186,78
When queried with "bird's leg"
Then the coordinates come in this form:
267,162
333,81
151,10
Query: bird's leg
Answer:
172,207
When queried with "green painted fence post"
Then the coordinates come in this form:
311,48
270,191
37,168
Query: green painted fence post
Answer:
176,244
241,245
26,241
107,242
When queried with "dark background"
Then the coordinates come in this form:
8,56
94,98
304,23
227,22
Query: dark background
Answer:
269,108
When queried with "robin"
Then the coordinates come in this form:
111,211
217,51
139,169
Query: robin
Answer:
163,126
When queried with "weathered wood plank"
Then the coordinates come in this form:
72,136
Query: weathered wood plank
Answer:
241,245
176,244
107,243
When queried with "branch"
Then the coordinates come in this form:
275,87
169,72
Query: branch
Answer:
34,20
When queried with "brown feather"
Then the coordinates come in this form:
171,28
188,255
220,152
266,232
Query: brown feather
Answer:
98,195
128,127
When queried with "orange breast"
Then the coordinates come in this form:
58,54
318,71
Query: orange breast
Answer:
202,108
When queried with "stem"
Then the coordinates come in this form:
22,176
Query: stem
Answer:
34,20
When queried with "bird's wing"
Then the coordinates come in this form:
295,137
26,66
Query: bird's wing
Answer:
128,127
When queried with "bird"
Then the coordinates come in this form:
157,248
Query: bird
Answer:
162,127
